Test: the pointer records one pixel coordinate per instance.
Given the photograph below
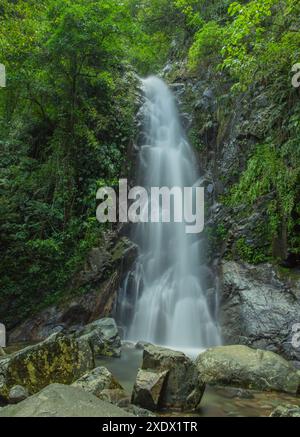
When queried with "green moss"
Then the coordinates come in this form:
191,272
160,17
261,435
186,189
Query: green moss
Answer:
249,253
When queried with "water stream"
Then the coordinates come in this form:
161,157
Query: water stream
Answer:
216,401
163,298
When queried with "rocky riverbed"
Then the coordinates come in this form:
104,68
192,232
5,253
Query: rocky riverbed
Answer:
90,367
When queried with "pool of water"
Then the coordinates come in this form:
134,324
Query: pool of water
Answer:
216,402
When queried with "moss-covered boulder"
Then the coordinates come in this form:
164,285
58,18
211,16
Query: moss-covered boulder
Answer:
97,380
244,367
59,359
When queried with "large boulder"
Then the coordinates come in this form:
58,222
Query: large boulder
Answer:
57,359
96,381
182,388
57,400
103,337
286,411
148,388
241,366
259,308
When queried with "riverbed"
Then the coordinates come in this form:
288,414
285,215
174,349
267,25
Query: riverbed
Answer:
216,401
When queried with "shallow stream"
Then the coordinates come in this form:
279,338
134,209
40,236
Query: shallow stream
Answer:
216,402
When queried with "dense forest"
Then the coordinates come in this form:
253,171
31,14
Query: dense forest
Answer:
67,123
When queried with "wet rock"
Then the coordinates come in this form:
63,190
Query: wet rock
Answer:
182,389
98,259
286,411
125,253
17,394
96,381
147,389
241,366
259,309
58,359
58,400
140,345
103,337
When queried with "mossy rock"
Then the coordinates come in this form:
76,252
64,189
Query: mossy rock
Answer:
58,359
98,380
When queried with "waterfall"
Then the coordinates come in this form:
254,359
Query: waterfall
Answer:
163,298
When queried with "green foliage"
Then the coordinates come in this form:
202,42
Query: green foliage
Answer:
267,174
66,120
207,44
248,253
262,41
221,232
253,47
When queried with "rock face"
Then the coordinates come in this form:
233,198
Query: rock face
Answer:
57,359
70,317
241,366
259,309
58,400
96,381
181,388
286,411
148,388
102,272
103,337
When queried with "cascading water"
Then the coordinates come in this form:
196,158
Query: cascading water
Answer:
163,298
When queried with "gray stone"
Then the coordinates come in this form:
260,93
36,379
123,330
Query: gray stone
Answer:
183,389
58,400
17,394
241,366
286,411
103,337
148,387
258,309
96,381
